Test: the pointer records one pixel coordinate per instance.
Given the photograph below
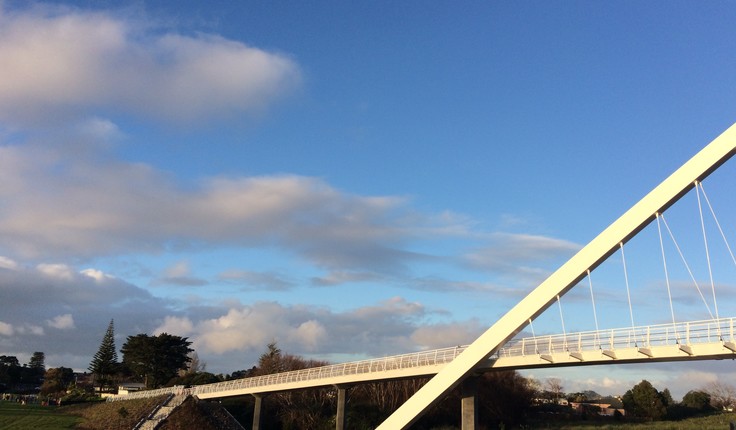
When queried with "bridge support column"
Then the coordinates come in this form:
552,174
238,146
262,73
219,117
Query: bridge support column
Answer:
257,411
469,403
342,395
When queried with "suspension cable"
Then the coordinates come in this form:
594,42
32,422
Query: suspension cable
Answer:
682,257
707,253
723,235
595,314
536,348
666,275
564,332
628,291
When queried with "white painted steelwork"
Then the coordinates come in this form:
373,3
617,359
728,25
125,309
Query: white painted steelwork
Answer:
563,279
698,340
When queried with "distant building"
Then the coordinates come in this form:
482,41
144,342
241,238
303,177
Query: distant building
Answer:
604,409
130,387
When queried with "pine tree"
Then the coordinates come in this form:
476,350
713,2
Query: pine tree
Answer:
105,364
37,366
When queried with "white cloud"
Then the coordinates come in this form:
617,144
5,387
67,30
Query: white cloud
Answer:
522,256
61,206
311,334
443,335
70,304
95,274
56,60
31,329
6,329
62,322
59,271
375,330
237,330
7,263
179,326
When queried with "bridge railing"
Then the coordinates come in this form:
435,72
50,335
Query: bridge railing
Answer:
685,333
384,364
642,337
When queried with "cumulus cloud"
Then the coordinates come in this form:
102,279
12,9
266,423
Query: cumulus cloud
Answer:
56,205
69,302
58,60
179,326
6,329
62,322
95,274
380,329
7,263
58,271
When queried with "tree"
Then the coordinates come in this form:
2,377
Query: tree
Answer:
10,371
104,365
9,361
303,409
643,400
37,366
667,397
56,380
156,359
722,395
194,366
271,361
554,386
506,397
697,400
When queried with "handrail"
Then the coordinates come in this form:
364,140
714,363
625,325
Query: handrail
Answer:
643,337
687,333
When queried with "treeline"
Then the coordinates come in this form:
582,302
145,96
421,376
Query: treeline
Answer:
645,402
23,378
642,403
505,398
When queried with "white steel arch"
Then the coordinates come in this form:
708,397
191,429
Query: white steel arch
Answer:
575,269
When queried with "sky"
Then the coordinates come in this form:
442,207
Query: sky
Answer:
350,180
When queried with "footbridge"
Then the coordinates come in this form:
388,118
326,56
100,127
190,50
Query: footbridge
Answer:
703,340
506,344
697,340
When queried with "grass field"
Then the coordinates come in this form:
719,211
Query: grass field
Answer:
84,416
108,416
14,416
716,421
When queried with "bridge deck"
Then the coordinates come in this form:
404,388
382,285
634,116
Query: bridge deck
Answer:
699,340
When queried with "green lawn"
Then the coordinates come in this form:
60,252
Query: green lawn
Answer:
718,421
14,416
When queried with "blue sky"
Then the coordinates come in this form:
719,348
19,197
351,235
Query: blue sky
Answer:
350,180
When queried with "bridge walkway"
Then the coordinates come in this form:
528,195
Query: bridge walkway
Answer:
696,340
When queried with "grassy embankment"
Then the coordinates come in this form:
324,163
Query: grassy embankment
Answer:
85,416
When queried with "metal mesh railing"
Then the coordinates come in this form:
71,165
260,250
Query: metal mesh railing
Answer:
385,364
656,335
685,333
